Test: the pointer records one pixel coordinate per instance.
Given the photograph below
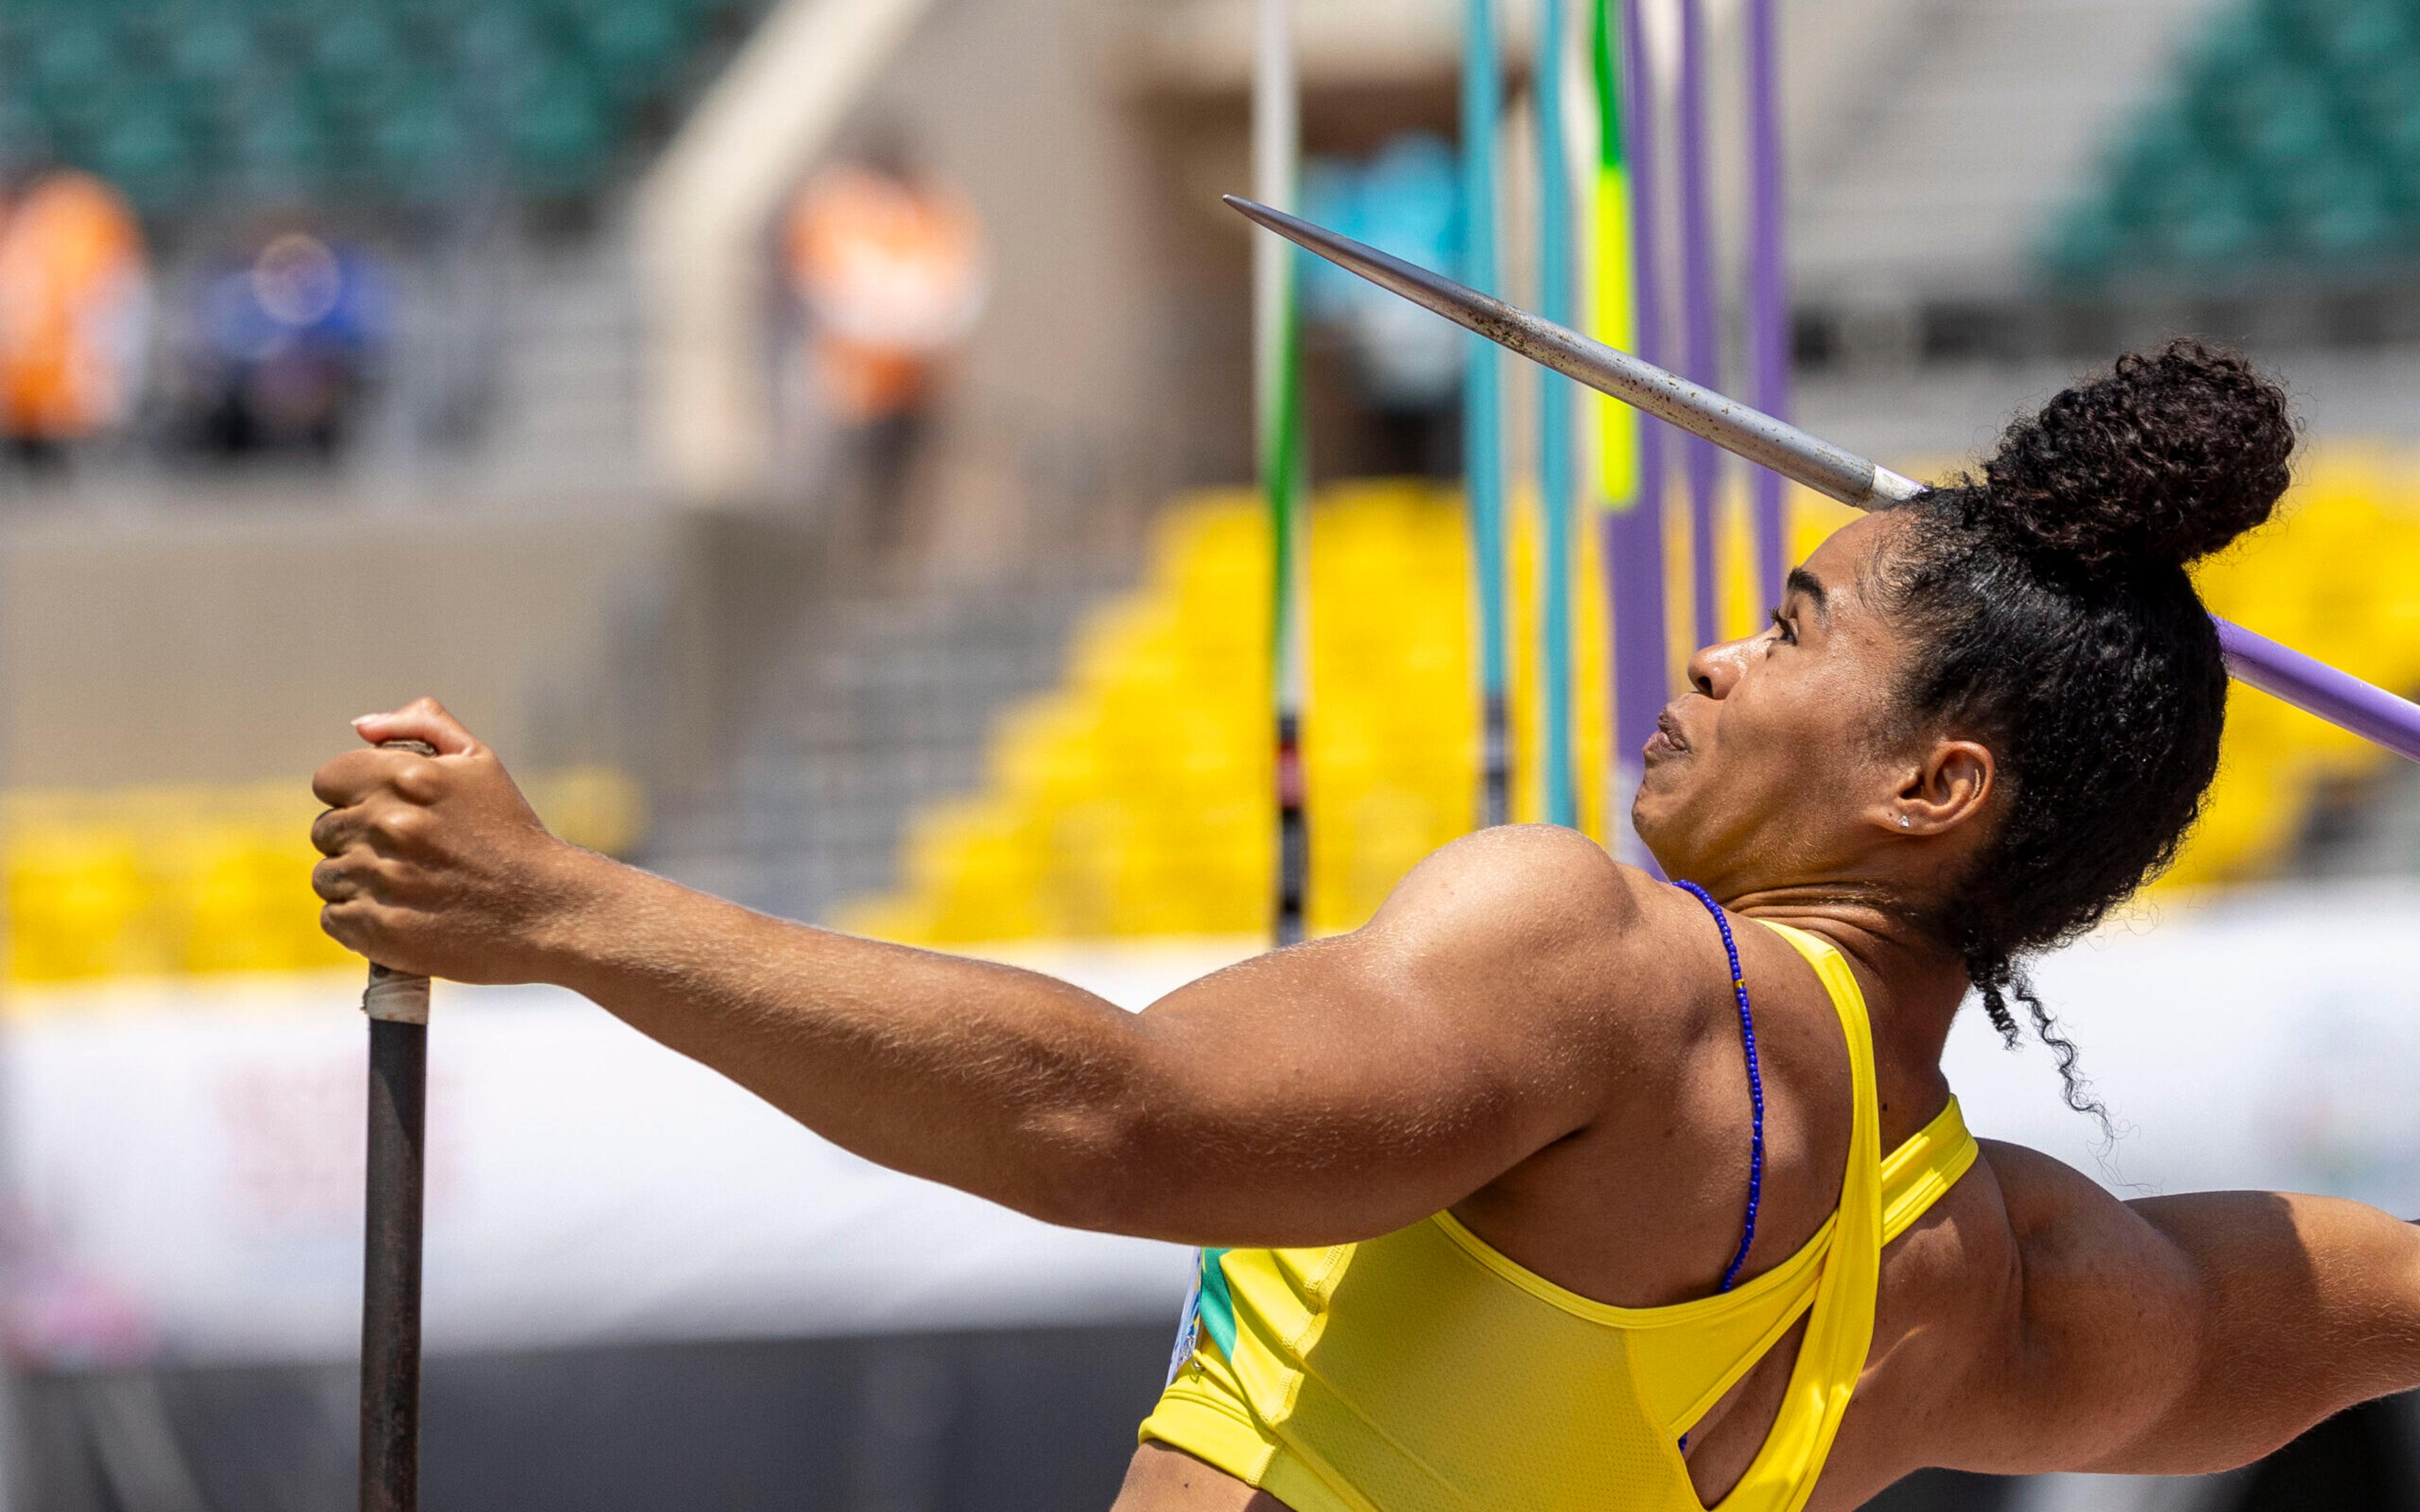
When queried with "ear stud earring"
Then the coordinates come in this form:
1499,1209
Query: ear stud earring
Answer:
1902,821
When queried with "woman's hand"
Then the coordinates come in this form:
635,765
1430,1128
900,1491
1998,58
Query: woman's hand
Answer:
435,864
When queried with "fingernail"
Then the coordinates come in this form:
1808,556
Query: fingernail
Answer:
362,719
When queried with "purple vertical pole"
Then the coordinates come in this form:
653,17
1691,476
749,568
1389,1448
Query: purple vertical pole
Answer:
1768,282
1633,537
1701,317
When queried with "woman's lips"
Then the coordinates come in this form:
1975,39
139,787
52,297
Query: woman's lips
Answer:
1666,738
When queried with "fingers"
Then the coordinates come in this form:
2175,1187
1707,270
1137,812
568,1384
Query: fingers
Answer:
366,929
423,718
357,775
388,828
362,878
412,840
334,881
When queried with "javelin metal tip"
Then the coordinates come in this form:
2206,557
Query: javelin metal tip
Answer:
1760,438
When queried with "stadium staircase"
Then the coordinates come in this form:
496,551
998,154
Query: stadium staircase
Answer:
566,416
1930,181
874,704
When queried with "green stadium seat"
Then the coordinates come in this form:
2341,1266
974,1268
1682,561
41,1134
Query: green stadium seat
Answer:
2237,47
2368,35
354,44
2289,139
504,46
2298,127
216,47
75,66
2374,95
631,43
2341,211
2088,239
278,151
419,147
2220,227
561,134
197,100
145,154
2297,27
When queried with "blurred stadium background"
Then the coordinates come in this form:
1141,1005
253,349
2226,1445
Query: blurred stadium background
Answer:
809,439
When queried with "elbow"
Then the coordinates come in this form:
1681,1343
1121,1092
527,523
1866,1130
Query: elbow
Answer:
1092,1171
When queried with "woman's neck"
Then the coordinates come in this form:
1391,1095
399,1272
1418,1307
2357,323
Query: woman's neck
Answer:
1913,982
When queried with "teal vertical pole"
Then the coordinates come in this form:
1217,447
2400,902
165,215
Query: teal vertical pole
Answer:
1555,420
1482,403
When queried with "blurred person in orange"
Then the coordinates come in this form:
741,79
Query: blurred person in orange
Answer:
75,308
889,268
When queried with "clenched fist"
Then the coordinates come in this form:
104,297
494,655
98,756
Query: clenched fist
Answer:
435,864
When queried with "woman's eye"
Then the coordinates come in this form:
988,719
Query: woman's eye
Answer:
1788,631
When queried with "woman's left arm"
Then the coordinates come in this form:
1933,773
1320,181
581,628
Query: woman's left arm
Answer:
2177,1335
1331,1092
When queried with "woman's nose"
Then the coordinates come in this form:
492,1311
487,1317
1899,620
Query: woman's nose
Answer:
1714,669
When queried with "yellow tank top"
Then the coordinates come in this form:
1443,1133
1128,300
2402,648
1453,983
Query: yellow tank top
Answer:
1422,1371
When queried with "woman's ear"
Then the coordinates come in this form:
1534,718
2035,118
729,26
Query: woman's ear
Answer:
1950,788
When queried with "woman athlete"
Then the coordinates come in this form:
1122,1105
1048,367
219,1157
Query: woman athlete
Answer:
1524,1195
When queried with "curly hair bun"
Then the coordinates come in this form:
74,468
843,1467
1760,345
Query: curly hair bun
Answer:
2165,459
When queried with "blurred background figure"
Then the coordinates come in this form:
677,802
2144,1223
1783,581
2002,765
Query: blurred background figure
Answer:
888,267
74,312
284,347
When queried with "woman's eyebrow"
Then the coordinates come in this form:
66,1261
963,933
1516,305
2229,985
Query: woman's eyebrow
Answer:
1806,585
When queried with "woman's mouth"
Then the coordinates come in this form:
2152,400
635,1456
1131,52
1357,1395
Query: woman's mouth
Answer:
1666,738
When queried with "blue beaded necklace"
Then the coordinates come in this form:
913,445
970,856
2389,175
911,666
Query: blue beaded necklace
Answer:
1754,1083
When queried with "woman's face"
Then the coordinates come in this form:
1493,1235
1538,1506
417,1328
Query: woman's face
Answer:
1784,763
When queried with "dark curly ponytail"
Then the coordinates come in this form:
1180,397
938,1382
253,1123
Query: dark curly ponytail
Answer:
2055,623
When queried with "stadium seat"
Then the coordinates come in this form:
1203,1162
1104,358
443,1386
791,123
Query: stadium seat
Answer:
2287,139
1134,797
383,99
207,879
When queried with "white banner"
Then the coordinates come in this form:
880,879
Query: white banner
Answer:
184,1161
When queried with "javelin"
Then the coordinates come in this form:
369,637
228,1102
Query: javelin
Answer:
2305,681
397,1005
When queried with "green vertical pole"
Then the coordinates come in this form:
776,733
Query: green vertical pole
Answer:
1278,434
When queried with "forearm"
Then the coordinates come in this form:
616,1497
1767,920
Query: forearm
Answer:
1001,1082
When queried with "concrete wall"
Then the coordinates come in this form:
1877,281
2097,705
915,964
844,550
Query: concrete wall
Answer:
227,644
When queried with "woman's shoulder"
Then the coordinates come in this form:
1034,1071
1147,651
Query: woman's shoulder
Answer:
1557,918
1548,875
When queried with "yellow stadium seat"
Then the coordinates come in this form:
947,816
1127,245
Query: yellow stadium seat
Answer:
1135,798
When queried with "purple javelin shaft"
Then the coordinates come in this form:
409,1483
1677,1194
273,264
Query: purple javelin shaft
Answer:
1633,528
1768,278
2314,687
2305,681
1701,351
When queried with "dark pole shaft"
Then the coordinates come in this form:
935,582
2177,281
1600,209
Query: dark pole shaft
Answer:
391,1268
397,1005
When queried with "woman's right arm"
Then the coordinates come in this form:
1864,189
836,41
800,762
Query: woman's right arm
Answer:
1329,1092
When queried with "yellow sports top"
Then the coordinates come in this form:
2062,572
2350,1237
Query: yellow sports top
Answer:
1424,1372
